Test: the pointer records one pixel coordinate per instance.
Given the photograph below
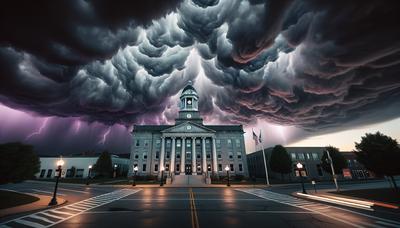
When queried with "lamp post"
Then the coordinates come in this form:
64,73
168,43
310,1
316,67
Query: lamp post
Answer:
135,169
227,173
162,177
115,170
300,168
53,200
88,176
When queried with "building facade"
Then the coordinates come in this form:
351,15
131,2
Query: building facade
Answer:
78,167
189,147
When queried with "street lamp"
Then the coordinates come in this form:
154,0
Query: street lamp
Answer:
333,170
115,170
162,177
135,169
88,176
300,168
53,200
227,173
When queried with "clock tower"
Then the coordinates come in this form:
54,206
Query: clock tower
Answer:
189,105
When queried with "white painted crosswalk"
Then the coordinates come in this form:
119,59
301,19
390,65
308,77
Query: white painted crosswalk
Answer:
346,216
57,215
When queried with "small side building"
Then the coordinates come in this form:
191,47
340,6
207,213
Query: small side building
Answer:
78,166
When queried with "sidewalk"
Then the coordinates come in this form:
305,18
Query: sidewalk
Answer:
42,203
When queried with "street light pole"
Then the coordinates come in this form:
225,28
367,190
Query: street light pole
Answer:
53,200
115,170
300,168
333,170
227,174
88,176
135,169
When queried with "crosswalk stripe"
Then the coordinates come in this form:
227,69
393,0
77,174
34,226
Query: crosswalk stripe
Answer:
28,223
77,208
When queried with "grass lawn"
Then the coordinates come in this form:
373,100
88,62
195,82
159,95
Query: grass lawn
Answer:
387,195
11,199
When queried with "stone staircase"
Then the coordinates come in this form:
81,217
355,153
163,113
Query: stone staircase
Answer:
188,181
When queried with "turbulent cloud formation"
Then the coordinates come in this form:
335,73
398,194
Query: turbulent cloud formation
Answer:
316,65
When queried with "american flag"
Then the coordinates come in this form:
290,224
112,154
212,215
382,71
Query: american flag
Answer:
259,137
255,138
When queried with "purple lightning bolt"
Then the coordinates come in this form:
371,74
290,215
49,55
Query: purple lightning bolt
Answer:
77,126
39,131
105,135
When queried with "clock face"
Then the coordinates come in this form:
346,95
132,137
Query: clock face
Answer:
189,102
189,127
189,115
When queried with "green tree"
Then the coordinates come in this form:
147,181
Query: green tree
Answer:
18,162
280,161
103,166
339,162
380,154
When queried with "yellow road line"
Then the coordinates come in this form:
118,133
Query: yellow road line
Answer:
193,212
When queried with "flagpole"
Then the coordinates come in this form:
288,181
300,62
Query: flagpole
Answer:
265,164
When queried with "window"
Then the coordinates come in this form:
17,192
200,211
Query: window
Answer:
79,173
157,154
144,155
239,155
177,167
198,156
49,172
136,156
209,167
219,167
240,167
168,142
218,142
229,142
208,156
231,166
308,156
207,141
198,141
178,155
315,156
301,156
230,155
319,170
219,156
137,142
146,142
237,142
166,167
144,168
156,168
293,156
42,172
178,143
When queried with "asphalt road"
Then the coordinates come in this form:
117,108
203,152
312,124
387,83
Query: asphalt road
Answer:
193,208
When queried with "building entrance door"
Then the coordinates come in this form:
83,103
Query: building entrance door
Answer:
188,169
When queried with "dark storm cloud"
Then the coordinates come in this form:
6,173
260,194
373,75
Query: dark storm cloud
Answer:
314,64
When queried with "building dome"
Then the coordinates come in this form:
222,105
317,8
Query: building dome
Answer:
189,98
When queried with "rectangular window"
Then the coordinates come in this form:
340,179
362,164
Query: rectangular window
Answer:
156,168
301,156
219,156
239,155
158,143
178,167
144,155
178,143
198,156
240,167
168,142
146,142
157,154
178,155
293,156
230,155
237,142
136,156
209,167
49,172
315,156
42,172
308,156
220,167
231,166
198,141
79,173
207,141
229,142
166,167
144,168
137,142
319,169
208,156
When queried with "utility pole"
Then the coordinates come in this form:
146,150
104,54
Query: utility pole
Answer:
265,162
333,170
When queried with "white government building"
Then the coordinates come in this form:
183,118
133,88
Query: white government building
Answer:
189,147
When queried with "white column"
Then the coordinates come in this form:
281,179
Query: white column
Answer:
172,165
194,168
203,142
214,156
183,155
161,166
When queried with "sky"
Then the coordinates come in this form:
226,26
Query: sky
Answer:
78,75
